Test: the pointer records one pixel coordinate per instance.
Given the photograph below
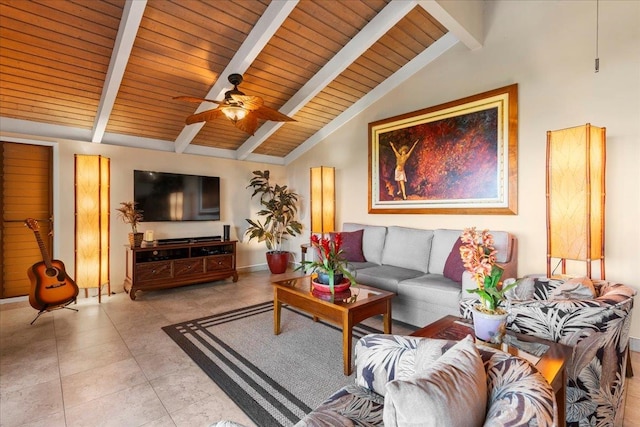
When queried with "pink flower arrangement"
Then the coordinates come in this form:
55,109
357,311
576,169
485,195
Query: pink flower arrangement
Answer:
478,253
479,258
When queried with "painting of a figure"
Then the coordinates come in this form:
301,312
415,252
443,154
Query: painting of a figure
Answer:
448,159
458,159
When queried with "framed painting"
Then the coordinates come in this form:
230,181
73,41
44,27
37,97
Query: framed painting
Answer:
460,157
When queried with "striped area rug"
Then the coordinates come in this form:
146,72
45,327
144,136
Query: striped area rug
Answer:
276,380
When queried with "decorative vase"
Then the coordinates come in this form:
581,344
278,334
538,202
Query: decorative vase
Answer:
278,261
338,287
489,327
135,239
343,296
323,277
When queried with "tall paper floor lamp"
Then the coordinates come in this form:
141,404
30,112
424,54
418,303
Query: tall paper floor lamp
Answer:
575,187
323,202
92,205
323,199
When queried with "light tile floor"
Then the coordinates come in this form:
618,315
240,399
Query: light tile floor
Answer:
110,364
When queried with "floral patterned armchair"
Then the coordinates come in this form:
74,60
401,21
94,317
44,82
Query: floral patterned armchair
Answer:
517,393
596,328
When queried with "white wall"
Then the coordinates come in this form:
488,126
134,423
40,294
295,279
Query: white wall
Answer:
548,49
235,200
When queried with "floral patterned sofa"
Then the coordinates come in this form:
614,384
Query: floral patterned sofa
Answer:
597,329
516,393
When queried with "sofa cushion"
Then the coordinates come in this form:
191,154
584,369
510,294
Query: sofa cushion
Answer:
433,288
407,248
385,277
502,242
443,241
360,265
454,267
427,353
452,391
350,406
372,240
579,288
352,245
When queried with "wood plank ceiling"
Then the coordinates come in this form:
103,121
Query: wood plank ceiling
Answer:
107,70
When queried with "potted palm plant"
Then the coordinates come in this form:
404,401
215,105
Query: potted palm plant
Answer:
279,209
131,215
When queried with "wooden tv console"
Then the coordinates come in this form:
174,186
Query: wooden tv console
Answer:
179,262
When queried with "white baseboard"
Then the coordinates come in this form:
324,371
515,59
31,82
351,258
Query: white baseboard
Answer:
634,344
252,268
261,267
14,299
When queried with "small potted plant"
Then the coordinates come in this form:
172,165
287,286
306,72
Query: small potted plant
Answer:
329,263
129,214
479,258
279,210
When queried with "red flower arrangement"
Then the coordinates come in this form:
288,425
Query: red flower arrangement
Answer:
329,258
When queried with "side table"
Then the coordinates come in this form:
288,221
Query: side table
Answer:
551,364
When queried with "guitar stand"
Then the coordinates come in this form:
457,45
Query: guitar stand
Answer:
57,307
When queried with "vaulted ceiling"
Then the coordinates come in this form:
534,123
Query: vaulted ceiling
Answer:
107,71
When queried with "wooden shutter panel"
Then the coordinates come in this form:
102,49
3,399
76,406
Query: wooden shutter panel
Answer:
25,193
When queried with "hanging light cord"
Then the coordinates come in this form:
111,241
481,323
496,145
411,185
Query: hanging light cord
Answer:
597,62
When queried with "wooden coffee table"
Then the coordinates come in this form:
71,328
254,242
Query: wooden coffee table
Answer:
551,364
344,309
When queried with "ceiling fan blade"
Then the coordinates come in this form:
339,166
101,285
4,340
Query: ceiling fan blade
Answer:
234,99
249,124
194,99
205,116
248,102
267,113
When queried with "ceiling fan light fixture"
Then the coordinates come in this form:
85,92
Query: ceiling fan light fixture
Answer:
234,113
242,110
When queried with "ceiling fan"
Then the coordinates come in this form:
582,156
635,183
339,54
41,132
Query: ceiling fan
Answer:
243,110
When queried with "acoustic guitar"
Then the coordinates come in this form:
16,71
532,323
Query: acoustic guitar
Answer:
50,285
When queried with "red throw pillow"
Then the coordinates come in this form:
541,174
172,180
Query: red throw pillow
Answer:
454,267
352,245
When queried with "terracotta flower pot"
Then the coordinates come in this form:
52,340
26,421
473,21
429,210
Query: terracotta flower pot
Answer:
278,261
338,287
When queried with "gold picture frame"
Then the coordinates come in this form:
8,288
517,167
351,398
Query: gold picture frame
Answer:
460,157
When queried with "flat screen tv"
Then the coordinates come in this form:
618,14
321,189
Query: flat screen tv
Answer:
176,197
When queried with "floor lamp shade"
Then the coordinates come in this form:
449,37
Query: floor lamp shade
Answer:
576,195
92,206
323,199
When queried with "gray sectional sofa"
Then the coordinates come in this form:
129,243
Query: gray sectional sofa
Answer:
411,263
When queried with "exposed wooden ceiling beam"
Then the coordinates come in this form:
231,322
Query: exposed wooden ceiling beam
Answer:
27,129
393,81
260,35
463,18
375,29
464,21
131,18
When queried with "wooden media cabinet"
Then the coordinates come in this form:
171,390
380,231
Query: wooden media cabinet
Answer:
179,262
